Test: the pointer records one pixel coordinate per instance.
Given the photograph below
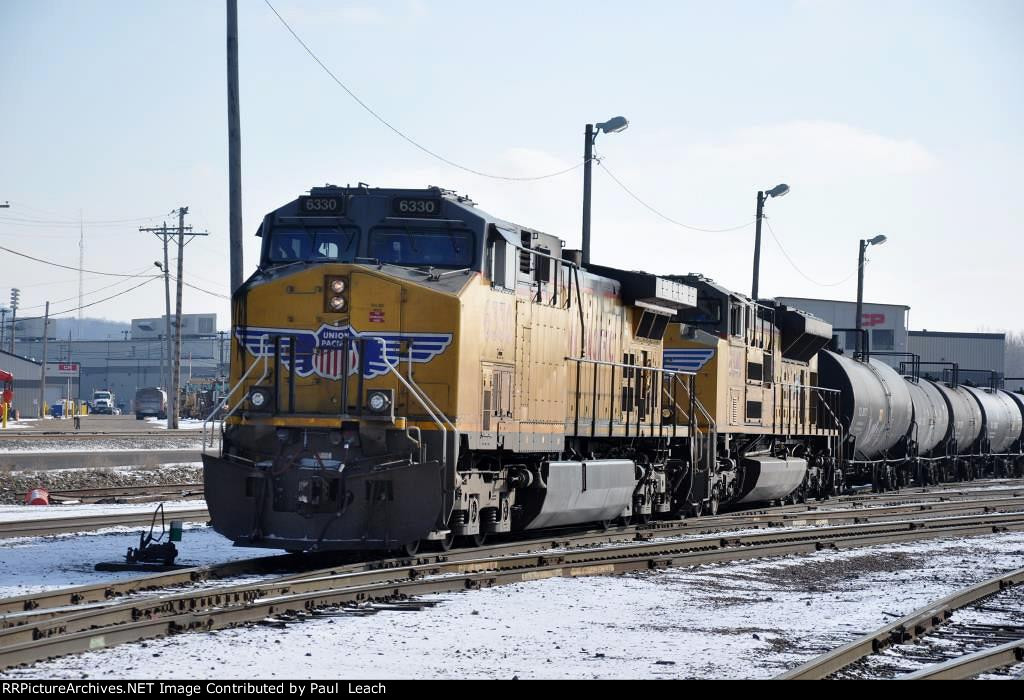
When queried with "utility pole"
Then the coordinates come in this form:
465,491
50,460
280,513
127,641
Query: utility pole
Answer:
81,265
757,245
234,150
42,368
15,296
588,157
174,329
3,326
220,354
777,191
164,236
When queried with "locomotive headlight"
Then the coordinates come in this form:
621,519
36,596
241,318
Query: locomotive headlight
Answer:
379,400
335,291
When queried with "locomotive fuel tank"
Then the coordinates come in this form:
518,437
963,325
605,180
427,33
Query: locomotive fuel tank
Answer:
566,493
876,405
771,478
931,415
964,418
1000,417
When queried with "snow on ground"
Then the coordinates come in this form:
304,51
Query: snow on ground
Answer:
183,423
120,445
30,565
10,513
733,620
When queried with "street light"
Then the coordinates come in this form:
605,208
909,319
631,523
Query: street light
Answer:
612,126
777,191
877,240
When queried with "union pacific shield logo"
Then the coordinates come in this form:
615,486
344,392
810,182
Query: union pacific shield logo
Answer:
687,359
323,352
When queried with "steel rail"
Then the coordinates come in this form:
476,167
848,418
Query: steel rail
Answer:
756,519
82,435
971,665
167,615
126,491
40,610
906,628
56,526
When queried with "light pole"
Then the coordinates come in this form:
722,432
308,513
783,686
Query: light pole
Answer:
777,191
877,240
612,126
15,298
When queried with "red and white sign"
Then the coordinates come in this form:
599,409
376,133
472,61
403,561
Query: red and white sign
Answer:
870,320
376,315
62,369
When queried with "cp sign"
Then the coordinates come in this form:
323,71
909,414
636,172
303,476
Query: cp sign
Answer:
869,320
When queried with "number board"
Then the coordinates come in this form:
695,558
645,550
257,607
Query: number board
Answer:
417,207
321,206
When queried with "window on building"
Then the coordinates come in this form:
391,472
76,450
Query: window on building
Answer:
881,339
850,341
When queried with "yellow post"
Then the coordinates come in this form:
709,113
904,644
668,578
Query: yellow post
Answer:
5,414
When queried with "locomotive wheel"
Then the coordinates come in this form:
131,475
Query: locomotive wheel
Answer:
445,544
641,518
694,510
411,549
477,540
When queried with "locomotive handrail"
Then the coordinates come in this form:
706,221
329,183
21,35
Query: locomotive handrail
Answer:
223,402
707,416
835,392
607,363
426,396
414,391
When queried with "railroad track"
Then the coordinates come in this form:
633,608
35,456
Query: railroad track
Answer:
771,516
759,519
38,634
1003,643
52,526
55,526
117,494
50,436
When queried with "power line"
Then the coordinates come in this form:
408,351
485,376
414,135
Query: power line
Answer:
797,268
61,221
89,293
200,289
100,301
395,129
667,218
68,267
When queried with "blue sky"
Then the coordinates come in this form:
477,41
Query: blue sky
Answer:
884,117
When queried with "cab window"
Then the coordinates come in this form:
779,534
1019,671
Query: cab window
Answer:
321,244
436,247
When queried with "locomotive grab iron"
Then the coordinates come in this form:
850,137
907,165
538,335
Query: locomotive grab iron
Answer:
407,369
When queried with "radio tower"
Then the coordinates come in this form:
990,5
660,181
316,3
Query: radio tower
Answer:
81,265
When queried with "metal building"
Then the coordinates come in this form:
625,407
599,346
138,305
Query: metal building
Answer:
26,383
124,365
971,351
886,323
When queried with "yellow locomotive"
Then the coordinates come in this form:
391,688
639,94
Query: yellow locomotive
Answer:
407,369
